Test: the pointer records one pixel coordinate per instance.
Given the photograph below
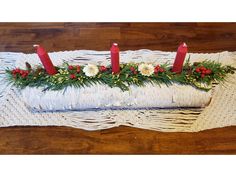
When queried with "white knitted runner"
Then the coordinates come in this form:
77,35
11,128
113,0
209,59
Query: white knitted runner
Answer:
219,113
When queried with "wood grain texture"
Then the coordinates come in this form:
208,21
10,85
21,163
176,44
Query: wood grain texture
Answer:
200,37
121,140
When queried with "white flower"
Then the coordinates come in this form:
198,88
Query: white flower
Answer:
146,69
90,70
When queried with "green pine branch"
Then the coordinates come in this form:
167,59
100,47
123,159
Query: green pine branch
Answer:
37,77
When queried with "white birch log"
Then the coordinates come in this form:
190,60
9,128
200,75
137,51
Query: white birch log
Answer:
103,97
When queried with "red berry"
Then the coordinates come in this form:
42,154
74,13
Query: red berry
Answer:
203,71
102,68
156,70
72,76
132,69
202,75
21,72
208,71
17,70
201,68
13,72
157,66
78,69
197,70
161,70
25,74
135,72
70,67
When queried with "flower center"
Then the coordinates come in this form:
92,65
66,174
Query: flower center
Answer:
91,69
145,70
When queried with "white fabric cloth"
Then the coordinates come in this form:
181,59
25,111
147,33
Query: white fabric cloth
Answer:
219,113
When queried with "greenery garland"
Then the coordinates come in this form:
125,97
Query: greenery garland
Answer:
198,74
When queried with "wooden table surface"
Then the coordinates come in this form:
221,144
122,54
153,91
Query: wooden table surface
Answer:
200,37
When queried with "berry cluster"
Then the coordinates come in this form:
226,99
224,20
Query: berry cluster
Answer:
203,71
158,69
133,70
20,72
70,67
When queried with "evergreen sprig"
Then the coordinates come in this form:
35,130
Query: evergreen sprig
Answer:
199,75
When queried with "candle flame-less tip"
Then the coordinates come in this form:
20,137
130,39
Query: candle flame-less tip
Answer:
115,44
35,45
184,44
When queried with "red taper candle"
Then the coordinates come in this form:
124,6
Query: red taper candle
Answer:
45,59
179,59
115,58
